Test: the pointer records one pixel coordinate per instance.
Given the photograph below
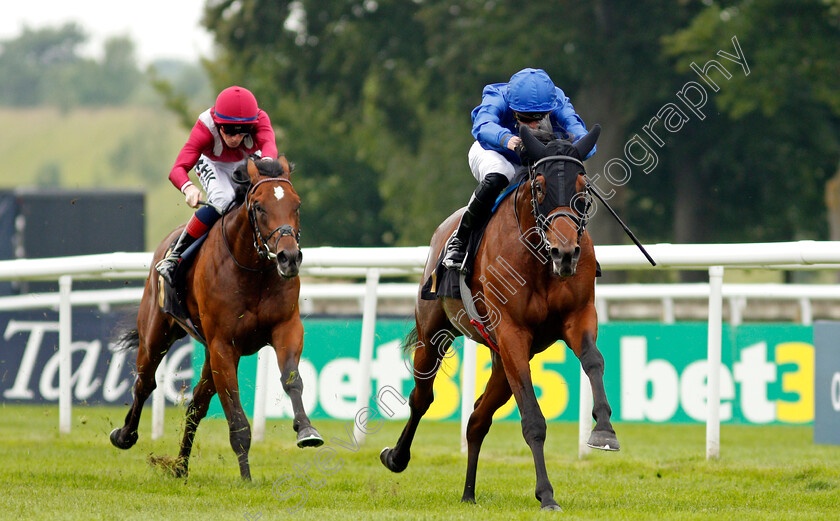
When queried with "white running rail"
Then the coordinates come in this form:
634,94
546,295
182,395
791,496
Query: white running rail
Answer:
379,262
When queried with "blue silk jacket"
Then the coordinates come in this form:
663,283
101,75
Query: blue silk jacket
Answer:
494,123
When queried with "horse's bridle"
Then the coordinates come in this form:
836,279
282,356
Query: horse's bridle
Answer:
260,242
282,231
544,221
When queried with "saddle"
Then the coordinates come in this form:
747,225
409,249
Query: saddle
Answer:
172,300
444,282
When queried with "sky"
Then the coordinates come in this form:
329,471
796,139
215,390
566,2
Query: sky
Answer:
158,28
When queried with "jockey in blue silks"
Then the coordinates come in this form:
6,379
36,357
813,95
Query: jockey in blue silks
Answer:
529,98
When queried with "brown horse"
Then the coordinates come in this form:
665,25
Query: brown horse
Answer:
534,294
242,294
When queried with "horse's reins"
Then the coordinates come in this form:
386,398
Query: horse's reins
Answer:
261,243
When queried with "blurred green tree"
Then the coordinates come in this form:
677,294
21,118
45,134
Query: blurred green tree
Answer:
398,80
24,61
373,98
44,67
762,164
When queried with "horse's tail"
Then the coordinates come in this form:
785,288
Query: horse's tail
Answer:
128,339
410,342
124,335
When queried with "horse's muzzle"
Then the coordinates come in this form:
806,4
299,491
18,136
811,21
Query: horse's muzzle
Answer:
564,262
288,262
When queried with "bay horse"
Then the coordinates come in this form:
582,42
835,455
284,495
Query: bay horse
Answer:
547,294
241,294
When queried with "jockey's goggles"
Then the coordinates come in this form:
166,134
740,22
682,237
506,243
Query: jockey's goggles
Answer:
529,117
235,130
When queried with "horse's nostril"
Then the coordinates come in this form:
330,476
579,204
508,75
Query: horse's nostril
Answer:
286,257
567,255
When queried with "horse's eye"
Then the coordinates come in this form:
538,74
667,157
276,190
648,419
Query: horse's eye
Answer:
258,208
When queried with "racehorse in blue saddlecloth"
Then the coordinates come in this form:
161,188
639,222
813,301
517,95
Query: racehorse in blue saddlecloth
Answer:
535,271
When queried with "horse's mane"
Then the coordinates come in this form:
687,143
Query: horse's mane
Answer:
270,168
242,181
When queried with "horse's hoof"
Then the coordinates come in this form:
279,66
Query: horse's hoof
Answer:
603,440
468,500
309,437
552,508
387,459
123,443
181,468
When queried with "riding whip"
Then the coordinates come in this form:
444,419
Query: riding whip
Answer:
600,197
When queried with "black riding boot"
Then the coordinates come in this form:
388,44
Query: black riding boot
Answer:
478,210
166,267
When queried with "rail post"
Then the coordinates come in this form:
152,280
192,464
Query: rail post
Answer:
467,387
65,373
713,353
584,415
261,392
159,399
366,349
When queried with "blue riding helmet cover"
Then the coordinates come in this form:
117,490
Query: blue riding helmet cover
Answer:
531,90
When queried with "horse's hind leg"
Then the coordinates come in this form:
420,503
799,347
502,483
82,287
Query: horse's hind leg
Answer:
155,335
580,338
288,342
196,411
433,339
496,393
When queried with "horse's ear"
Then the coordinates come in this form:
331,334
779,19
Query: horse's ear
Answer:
285,165
253,171
533,148
584,145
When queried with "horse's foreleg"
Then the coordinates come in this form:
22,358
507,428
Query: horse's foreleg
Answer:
496,393
428,353
515,345
196,411
603,435
225,362
288,342
581,338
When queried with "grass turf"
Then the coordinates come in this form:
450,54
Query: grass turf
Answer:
768,472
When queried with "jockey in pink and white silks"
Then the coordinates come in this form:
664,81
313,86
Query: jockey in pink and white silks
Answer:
529,98
222,139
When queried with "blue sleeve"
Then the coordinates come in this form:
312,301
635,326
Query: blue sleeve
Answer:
487,119
566,116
